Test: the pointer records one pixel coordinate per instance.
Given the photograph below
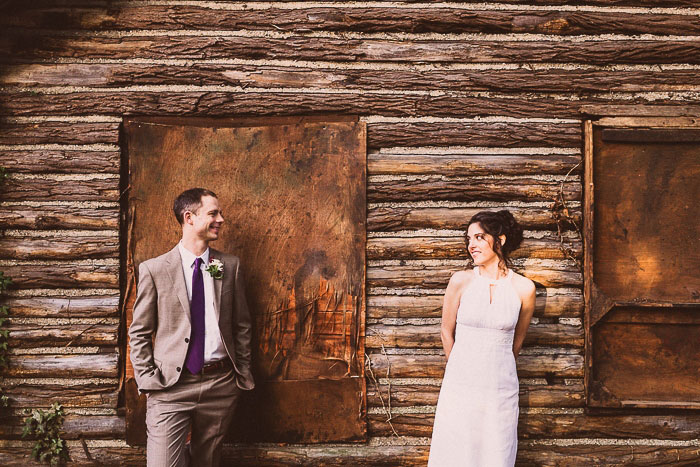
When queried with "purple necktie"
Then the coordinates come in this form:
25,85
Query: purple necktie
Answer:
195,353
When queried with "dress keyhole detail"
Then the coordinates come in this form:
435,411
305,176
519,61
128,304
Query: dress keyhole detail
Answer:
491,286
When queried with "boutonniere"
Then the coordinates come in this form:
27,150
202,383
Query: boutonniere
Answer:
215,268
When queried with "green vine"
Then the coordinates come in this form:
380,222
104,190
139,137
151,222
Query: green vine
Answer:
46,427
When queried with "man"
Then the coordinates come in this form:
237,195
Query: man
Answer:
190,338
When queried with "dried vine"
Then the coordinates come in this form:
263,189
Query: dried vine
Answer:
561,213
386,407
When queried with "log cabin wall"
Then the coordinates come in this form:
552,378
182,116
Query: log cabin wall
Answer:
468,106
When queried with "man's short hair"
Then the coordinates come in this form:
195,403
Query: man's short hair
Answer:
189,200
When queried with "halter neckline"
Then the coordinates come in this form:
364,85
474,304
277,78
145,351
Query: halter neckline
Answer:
507,276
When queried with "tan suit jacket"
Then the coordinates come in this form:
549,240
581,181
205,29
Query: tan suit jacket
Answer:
162,310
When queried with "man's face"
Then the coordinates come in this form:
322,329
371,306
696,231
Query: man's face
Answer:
207,220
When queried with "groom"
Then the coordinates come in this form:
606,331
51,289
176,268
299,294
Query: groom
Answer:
190,338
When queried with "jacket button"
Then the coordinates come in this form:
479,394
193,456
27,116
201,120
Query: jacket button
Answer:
179,369
187,339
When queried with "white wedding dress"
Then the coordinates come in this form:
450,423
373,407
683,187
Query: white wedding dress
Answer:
476,422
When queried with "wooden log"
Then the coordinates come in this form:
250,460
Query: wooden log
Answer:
469,165
543,425
366,20
537,395
63,307
59,133
454,248
255,103
67,274
427,336
279,76
431,277
42,46
438,188
78,394
59,247
74,426
382,219
64,161
50,189
560,365
607,454
82,365
58,216
550,303
32,335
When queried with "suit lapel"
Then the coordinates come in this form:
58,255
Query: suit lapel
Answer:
213,254
174,268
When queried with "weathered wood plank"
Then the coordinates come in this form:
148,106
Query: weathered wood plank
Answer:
543,425
429,276
538,395
280,76
32,335
381,218
59,247
52,189
63,307
454,247
561,365
92,365
58,216
427,336
607,454
438,187
224,103
67,274
74,427
64,161
35,45
78,394
367,20
550,303
59,133
469,165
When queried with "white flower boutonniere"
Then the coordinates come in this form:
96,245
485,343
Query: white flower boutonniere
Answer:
216,268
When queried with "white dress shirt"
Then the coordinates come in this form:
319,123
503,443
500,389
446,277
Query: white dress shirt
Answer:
213,346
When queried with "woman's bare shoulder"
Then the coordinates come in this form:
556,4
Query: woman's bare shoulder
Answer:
461,278
523,285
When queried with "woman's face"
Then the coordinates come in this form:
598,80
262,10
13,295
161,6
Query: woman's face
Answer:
480,245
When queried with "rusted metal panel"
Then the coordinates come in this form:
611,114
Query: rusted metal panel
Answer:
293,196
642,260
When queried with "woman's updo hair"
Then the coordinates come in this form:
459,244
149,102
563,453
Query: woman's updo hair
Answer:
496,224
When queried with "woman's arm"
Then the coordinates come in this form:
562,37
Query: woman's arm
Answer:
526,291
450,304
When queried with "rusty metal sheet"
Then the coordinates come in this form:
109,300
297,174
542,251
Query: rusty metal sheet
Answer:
293,196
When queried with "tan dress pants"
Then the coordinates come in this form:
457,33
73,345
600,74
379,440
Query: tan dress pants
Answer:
206,403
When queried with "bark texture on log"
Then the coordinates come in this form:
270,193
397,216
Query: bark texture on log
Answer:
59,133
59,161
65,274
88,365
46,215
59,247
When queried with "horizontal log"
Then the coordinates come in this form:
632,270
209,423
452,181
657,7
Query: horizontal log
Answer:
254,103
59,133
279,76
653,454
41,161
48,189
56,275
32,335
367,20
383,219
543,425
63,307
472,165
429,276
427,336
78,394
59,247
550,303
51,366
58,216
560,365
454,248
537,395
439,188
33,45
74,427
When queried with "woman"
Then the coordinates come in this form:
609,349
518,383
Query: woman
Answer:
485,315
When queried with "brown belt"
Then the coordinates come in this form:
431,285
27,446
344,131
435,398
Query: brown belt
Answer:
216,366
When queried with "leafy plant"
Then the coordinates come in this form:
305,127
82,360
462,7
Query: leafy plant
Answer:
46,427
